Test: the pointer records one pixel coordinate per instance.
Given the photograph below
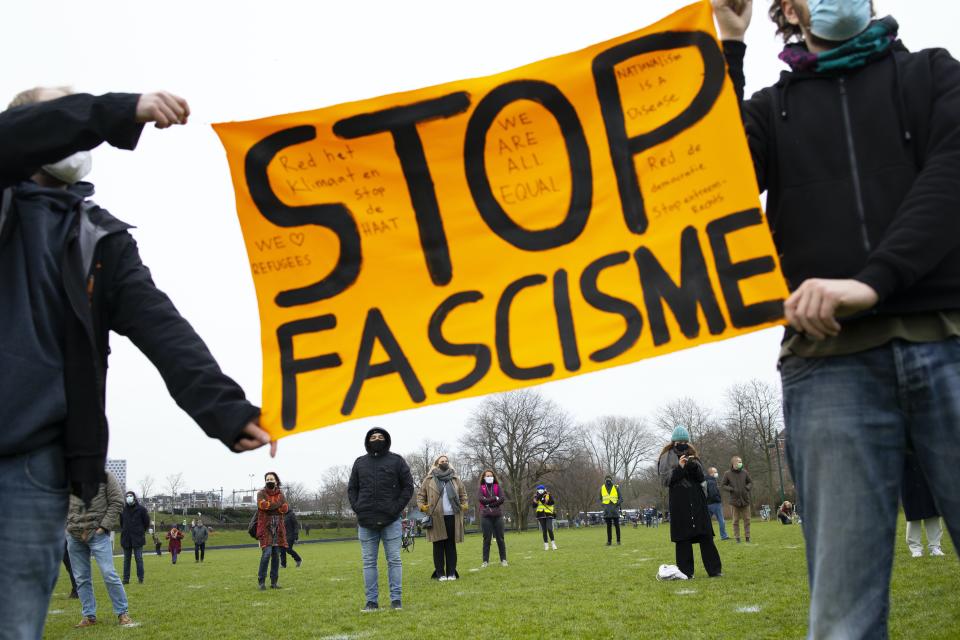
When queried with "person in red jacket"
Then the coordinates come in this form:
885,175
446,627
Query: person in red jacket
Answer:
174,536
271,532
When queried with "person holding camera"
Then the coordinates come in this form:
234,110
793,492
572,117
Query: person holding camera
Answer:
681,472
546,509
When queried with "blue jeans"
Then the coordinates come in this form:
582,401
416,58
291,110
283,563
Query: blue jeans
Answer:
269,555
370,549
100,547
34,514
849,420
716,510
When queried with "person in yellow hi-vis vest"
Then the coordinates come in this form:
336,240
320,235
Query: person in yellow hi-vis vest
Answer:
546,509
611,501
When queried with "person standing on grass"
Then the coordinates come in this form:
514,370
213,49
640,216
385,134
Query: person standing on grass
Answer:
271,532
681,472
88,534
156,542
443,497
610,499
134,522
919,509
490,497
738,484
380,487
175,536
199,532
545,508
292,526
715,502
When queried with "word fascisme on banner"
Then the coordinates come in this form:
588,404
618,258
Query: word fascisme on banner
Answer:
578,213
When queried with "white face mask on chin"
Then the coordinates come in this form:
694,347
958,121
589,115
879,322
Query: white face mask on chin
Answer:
71,169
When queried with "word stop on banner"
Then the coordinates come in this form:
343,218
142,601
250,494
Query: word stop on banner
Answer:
578,213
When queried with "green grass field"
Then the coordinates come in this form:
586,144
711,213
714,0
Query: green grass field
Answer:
583,590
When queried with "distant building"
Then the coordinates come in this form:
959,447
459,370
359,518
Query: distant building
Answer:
119,469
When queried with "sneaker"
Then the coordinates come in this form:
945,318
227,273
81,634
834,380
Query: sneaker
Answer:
546,546
124,620
747,540
936,551
442,578
618,543
554,545
717,575
608,544
275,586
916,554
484,565
299,562
503,563
263,587
86,621
395,605
370,606
451,578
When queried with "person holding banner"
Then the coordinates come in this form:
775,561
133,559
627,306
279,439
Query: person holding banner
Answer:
71,274
681,472
546,509
858,148
443,497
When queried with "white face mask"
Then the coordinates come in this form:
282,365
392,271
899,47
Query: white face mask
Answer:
540,491
488,480
129,499
838,20
71,169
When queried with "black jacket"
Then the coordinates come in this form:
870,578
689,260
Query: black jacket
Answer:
862,173
134,522
689,517
713,491
292,526
109,288
380,485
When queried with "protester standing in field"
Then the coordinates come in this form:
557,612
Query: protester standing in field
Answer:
490,496
714,501
199,532
545,508
443,497
271,507
858,149
134,522
737,484
156,542
919,509
379,489
88,534
681,472
292,526
611,502
175,537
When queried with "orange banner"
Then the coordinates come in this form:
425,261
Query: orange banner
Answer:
575,214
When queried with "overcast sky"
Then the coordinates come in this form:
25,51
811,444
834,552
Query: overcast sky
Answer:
240,60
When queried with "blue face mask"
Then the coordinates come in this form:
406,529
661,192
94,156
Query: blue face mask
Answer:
838,20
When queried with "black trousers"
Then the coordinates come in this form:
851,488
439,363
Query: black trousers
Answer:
708,553
199,548
66,563
546,527
137,553
612,522
288,549
445,551
493,527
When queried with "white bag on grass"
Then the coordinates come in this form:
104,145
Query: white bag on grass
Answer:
670,572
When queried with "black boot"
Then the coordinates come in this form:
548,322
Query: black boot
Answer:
263,587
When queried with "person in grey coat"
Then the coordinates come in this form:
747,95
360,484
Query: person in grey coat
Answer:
200,533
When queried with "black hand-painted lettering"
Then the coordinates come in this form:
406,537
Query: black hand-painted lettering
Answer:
502,339
731,273
624,148
291,367
479,352
578,153
599,300
335,217
375,329
561,305
401,122
693,291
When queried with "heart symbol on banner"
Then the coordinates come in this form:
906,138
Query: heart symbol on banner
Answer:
297,239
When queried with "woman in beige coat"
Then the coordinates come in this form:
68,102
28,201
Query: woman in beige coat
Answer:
443,497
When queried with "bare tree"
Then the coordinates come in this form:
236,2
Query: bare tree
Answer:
174,485
766,417
577,486
295,494
335,481
619,445
146,485
687,412
737,421
421,460
523,436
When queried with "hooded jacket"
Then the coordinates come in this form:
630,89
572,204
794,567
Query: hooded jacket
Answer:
861,171
380,486
134,522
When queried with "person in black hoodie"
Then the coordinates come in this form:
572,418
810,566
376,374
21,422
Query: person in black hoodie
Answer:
379,489
71,274
858,148
134,522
